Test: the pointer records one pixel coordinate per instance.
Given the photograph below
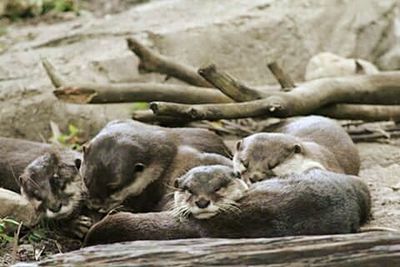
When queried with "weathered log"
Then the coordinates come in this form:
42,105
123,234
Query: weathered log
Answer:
229,85
282,77
150,117
361,112
137,92
365,249
151,61
382,88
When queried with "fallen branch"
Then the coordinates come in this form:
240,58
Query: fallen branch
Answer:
366,249
382,88
149,116
361,112
137,92
229,85
55,78
151,61
287,84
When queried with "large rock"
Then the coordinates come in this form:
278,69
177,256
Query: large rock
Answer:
239,36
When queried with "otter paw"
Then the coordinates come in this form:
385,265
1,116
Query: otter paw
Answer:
80,226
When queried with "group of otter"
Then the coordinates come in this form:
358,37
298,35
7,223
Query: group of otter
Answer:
177,183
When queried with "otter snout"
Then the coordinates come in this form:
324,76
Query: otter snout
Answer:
55,207
202,203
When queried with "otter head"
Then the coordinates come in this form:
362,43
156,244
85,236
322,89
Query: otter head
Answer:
52,186
205,191
266,155
115,167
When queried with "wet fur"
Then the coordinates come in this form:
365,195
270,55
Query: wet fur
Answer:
313,203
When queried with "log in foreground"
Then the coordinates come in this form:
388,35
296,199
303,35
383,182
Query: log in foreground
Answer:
382,88
137,92
365,249
151,61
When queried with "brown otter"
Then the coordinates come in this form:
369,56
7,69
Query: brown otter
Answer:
46,176
133,164
314,202
301,144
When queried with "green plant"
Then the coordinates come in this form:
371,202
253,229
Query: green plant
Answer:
71,138
7,229
140,106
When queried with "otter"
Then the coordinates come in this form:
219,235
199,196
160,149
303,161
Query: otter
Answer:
294,147
134,164
315,202
46,176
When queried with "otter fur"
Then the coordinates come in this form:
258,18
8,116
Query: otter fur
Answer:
294,147
312,203
134,164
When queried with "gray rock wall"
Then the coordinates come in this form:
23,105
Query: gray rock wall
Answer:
241,37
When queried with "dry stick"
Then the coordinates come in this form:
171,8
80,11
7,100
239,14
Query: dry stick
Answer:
137,92
91,93
361,112
229,85
55,78
287,84
151,61
149,116
382,88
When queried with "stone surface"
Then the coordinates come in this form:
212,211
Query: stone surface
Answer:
14,206
239,36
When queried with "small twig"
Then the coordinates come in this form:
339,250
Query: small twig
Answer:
15,245
283,78
55,78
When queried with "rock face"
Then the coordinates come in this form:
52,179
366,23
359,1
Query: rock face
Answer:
14,206
239,36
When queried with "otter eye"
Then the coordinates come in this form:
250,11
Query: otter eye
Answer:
297,148
139,167
217,189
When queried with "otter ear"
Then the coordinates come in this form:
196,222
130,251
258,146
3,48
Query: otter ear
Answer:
139,167
238,144
176,183
19,180
297,148
53,158
359,68
78,163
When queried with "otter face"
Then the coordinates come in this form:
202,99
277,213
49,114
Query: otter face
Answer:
114,169
205,191
266,155
52,187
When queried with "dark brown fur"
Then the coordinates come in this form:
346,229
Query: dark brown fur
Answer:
312,203
126,152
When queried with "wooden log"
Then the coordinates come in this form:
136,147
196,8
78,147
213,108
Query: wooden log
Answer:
382,88
151,61
282,77
229,85
90,93
365,249
361,112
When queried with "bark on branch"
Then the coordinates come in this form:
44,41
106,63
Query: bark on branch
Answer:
151,61
366,249
283,78
137,92
229,85
382,88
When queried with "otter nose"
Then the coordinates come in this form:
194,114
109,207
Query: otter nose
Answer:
202,203
55,207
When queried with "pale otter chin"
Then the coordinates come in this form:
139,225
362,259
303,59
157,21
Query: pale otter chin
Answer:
205,191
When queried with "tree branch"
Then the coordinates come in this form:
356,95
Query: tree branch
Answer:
151,61
137,92
287,84
229,85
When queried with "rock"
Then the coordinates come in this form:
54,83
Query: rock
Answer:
14,206
241,37
326,64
